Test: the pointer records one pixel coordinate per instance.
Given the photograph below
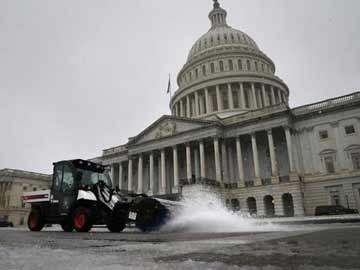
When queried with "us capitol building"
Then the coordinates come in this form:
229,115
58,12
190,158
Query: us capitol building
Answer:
231,128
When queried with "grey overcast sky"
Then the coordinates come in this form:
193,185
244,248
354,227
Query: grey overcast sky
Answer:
79,76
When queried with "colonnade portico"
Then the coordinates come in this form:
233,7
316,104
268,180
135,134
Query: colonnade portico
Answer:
254,96
206,159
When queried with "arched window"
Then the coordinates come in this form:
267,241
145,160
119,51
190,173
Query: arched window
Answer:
196,74
221,63
232,38
212,68
205,41
231,65
262,67
256,66
211,40
204,70
248,65
225,37
240,64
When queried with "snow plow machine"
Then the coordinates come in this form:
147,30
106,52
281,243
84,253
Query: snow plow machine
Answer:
82,196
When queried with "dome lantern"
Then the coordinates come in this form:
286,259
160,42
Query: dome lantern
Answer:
217,16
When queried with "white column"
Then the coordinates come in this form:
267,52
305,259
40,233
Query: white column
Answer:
130,174
182,114
197,163
140,175
151,173
225,174
254,96
176,170
256,159
218,98
121,175
217,160
163,172
197,109
188,162
188,109
273,95
289,147
202,160
113,180
207,101
242,96
274,170
231,100
266,100
240,163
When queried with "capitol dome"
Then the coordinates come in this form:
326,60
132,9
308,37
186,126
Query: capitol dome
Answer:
226,73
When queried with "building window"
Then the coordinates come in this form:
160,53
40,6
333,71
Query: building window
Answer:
256,66
356,160
34,189
329,164
349,130
24,188
240,64
196,73
231,65
262,67
212,68
204,70
335,197
221,66
323,134
248,65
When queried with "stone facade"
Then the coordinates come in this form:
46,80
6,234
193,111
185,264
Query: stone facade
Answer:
13,183
231,128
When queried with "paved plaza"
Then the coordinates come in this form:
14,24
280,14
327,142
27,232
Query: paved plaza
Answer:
335,246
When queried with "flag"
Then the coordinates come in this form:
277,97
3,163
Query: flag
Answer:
169,86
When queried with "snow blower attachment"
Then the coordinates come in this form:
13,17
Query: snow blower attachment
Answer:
82,196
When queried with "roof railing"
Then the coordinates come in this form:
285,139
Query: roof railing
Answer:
326,103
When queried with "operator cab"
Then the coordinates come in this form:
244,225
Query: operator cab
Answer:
69,177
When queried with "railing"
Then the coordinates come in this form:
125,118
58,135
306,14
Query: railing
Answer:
199,181
284,179
249,183
266,181
114,150
231,185
326,104
256,114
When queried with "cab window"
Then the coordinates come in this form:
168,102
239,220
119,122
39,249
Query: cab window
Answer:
57,177
68,179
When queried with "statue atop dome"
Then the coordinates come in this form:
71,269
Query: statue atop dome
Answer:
216,4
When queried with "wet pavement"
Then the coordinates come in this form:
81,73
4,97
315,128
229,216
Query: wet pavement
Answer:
335,246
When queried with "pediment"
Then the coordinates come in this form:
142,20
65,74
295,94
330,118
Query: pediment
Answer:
168,126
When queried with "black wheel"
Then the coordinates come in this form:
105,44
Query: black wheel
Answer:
82,219
117,220
151,215
116,226
35,221
67,226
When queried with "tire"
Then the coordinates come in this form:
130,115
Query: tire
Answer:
82,219
35,221
116,226
67,226
117,220
151,215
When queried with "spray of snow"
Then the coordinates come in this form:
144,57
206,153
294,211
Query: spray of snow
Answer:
203,211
